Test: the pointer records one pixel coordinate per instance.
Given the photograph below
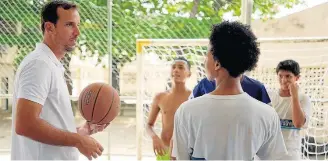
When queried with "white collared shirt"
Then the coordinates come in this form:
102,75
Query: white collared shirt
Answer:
40,78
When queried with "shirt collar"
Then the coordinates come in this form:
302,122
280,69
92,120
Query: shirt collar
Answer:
49,53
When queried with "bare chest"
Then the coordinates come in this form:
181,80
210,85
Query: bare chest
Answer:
170,104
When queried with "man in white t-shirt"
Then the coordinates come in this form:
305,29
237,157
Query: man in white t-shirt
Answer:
43,121
228,124
292,106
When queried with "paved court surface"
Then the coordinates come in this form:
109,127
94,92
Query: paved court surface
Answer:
122,139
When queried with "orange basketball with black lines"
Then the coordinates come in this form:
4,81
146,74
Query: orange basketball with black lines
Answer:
99,103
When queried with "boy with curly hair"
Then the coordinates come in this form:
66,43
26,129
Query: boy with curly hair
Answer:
228,124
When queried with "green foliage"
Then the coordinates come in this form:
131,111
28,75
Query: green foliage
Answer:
205,8
132,19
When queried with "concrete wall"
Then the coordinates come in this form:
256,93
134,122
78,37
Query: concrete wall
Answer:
7,55
307,23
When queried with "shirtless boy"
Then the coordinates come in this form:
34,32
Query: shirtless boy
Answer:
167,103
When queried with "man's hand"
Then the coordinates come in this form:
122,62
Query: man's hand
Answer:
158,146
89,129
293,89
89,147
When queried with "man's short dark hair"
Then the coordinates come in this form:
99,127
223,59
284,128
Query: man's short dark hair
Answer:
49,11
183,59
235,47
289,65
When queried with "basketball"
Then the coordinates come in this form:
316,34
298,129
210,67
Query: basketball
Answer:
99,103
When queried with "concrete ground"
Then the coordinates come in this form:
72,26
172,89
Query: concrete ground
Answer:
120,135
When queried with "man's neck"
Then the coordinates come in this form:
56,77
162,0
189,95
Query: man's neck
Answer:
228,86
179,87
57,51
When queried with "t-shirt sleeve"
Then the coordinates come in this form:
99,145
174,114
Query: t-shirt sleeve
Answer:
306,107
272,94
264,96
274,147
197,91
180,143
34,81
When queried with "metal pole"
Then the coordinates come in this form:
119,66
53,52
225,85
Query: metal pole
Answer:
139,105
140,96
110,36
246,11
110,57
6,92
246,15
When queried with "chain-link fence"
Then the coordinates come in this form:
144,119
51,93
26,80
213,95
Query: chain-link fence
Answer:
167,20
131,20
154,75
20,31
101,53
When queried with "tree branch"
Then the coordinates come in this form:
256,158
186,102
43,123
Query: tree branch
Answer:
194,9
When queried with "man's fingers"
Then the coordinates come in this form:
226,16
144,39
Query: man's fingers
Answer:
100,147
103,127
94,128
99,152
94,155
100,128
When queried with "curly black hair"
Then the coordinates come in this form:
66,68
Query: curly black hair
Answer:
289,65
235,47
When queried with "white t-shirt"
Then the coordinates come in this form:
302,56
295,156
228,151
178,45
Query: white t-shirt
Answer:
40,78
235,127
283,106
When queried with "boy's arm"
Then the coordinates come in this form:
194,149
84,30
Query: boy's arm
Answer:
158,145
298,115
154,110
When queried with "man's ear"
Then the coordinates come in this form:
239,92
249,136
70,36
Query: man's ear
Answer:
49,26
217,65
